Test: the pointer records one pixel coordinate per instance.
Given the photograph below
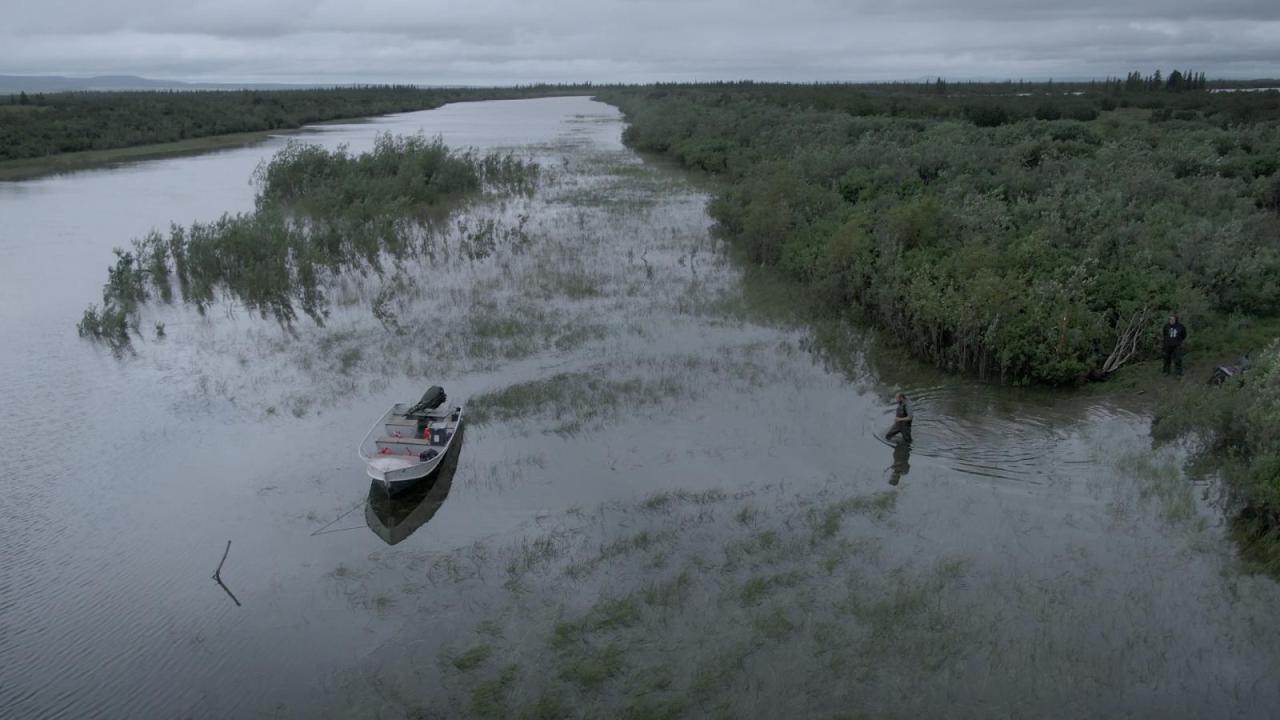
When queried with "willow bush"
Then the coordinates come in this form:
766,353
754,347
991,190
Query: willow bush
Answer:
985,238
1018,235
1234,430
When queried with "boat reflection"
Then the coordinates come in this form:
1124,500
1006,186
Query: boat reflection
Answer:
901,462
395,518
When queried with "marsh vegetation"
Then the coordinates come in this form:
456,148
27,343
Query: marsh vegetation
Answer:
673,500
1010,231
1234,430
318,214
817,607
1025,233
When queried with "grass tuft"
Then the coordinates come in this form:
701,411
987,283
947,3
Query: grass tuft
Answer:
472,658
489,698
591,670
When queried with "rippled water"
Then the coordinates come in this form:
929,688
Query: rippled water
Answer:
647,409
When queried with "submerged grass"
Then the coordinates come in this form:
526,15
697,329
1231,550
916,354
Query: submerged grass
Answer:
513,278
624,642
593,669
776,604
615,550
473,658
760,586
826,521
669,594
1159,478
318,214
573,400
489,698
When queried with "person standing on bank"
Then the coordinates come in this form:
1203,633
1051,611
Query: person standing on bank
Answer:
1173,335
901,420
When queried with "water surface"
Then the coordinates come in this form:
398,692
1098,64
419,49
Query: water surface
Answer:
674,468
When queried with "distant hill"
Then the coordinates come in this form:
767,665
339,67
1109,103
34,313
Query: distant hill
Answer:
58,83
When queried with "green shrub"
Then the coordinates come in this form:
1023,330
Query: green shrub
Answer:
1237,429
981,240
1048,111
987,115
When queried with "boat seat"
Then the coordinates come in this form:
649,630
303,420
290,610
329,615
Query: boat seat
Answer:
405,441
401,420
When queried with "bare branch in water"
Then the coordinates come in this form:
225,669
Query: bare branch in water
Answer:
217,576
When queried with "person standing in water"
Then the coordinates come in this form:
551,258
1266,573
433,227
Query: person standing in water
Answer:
1173,335
901,420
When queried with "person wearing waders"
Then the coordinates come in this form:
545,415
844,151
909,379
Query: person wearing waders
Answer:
901,420
1173,334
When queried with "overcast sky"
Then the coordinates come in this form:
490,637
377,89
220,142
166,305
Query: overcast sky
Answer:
508,41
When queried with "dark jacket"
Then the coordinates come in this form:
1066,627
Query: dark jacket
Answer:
904,413
1174,334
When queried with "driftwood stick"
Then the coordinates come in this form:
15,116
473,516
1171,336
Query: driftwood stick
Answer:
217,576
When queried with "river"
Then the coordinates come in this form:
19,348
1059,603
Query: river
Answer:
675,499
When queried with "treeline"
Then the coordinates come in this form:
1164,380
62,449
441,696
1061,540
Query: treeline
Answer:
991,104
1176,82
33,126
1016,236
40,125
318,213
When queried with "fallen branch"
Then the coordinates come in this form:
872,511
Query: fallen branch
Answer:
217,576
1127,341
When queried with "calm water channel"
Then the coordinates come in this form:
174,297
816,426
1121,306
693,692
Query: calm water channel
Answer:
674,499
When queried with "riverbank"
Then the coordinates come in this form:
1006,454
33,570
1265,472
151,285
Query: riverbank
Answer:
987,238
1233,430
28,168
1025,244
56,132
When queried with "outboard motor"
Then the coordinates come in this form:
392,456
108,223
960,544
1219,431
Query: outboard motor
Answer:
433,398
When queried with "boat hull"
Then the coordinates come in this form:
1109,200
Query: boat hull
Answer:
395,517
394,462
397,473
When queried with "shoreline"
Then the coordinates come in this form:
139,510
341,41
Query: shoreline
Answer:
32,168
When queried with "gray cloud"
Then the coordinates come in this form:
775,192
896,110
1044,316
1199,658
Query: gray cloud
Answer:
501,41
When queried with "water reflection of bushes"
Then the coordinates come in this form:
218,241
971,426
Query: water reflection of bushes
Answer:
317,213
